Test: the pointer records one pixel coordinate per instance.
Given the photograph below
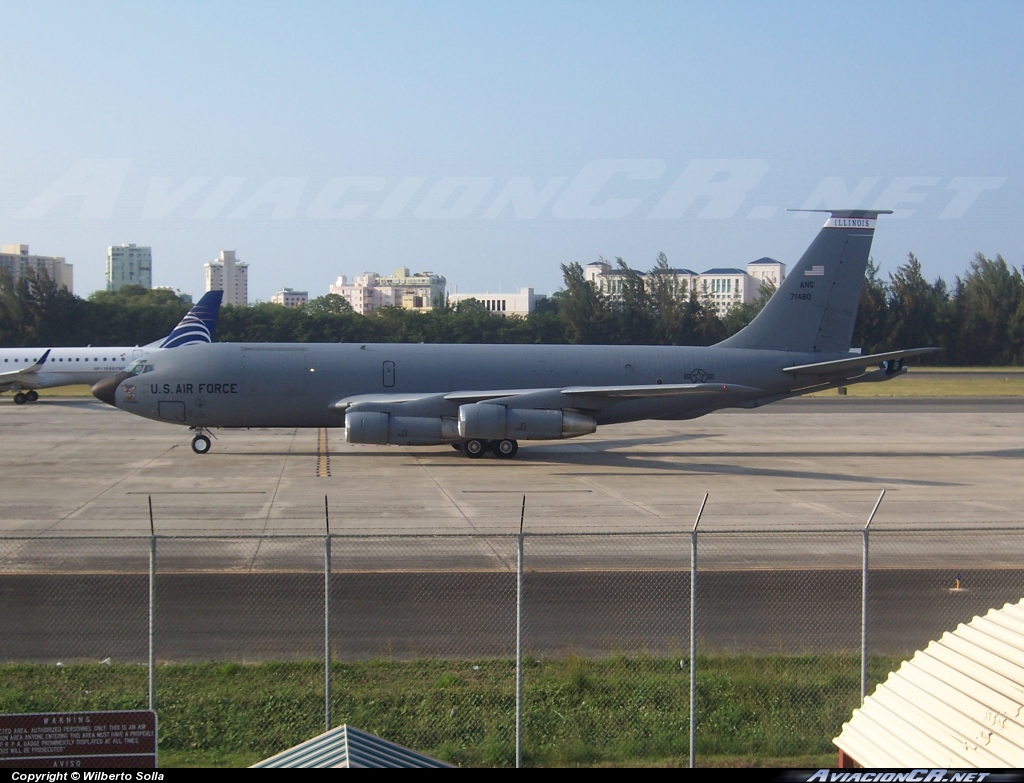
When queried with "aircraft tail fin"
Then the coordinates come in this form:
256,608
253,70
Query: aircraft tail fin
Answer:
198,324
815,307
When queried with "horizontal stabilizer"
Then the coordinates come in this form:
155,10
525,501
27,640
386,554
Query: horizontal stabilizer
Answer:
842,365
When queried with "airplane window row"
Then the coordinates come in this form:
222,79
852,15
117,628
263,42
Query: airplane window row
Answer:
52,360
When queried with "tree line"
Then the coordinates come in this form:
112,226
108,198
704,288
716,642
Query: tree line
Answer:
979,319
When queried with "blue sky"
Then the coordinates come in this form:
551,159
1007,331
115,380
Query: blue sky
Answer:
492,142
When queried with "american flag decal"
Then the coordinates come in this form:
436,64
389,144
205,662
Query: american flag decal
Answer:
817,270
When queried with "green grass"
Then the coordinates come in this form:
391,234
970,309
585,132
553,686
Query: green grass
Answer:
773,711
79,390
1009,384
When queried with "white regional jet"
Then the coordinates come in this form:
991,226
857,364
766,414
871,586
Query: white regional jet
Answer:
23,370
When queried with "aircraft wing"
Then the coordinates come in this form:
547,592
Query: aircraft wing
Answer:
583,397
660,390
24,375
378,400
856,362
613,393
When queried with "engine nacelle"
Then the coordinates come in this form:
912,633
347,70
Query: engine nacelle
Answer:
384,428
490,421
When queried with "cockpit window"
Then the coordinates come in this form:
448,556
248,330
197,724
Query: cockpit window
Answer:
138,367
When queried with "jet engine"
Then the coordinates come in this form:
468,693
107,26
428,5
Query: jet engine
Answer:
490,421
383,428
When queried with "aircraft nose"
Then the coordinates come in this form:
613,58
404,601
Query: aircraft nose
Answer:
104,390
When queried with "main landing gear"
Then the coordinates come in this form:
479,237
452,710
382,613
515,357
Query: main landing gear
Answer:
22,397
477,447
200,443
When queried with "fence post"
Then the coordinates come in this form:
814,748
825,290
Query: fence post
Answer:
327,618
864,607
519,640
152,609
693,635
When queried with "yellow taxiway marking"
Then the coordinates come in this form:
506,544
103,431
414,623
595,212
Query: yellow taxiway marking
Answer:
323,461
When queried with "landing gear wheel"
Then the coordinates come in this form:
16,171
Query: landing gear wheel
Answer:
20,398
457,446
200,444
32,395
474,448
506,449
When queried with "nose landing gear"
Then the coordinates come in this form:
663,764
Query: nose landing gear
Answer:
200,443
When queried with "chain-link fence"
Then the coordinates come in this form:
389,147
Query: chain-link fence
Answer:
577,652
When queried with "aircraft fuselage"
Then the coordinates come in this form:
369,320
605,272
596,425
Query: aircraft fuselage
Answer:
289,385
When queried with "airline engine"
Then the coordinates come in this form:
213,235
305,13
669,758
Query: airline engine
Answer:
379,428
487,421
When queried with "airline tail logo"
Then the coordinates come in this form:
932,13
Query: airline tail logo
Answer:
198,324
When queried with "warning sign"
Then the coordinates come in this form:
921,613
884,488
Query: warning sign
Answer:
79,740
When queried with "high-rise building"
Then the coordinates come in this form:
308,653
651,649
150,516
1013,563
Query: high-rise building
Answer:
16,261
129,265
231,276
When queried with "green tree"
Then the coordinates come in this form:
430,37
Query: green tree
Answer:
918,310
871,329
136,295
668,297
989,305
741,315
585,310
633,311
328,304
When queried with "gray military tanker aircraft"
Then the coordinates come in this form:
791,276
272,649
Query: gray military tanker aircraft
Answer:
482,398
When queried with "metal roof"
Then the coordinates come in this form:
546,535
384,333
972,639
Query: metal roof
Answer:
725,271
347,746
959,702
763,262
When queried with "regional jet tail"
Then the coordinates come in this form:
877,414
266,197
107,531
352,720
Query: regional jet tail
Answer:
486,398
23,370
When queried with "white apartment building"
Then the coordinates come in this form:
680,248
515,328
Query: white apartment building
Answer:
231,276
17,261
129,265
723,287
289,297
369,291
767,270
522,303
610,281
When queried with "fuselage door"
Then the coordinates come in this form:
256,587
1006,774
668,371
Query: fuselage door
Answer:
389,374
